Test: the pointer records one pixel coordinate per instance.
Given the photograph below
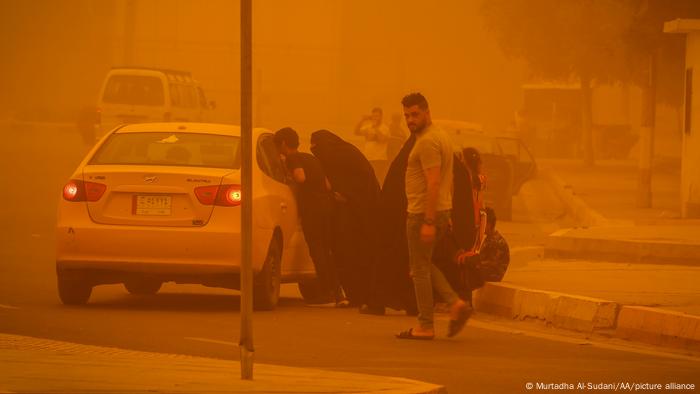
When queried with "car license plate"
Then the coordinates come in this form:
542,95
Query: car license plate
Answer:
152,205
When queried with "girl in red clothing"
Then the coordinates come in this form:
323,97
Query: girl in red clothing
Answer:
472,160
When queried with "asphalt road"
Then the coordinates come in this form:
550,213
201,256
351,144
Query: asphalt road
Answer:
489,356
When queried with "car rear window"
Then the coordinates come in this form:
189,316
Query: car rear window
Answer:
134,90
482,143
170,149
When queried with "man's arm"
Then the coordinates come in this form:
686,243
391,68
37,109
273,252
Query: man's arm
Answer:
358,128
432,180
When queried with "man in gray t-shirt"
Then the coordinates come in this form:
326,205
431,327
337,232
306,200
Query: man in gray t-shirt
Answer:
429,194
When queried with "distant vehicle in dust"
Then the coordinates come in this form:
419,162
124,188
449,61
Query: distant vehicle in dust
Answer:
507,162
139,95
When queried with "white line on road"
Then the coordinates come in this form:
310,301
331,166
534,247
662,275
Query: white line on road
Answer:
212,341
8,307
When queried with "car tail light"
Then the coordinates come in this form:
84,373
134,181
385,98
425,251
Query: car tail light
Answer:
229,195
206,194
223,195
76,190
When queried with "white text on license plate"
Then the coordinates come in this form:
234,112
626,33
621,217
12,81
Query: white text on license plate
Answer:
152,205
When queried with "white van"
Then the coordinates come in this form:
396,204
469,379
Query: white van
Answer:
138,95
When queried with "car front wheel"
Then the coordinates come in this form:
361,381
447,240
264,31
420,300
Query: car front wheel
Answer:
73,291
266,290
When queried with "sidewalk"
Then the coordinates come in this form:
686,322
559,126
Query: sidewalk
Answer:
602,201
632,273
41,365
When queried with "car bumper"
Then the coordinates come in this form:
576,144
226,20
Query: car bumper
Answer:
214,248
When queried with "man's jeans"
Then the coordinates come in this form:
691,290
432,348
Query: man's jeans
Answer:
424,273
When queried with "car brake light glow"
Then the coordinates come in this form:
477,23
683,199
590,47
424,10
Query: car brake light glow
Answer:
76,190
70,191
223,195
233,195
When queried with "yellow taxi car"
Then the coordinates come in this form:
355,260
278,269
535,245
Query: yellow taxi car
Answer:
160,202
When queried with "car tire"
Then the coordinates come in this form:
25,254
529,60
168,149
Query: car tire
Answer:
143,286
73,292
312,292
266,289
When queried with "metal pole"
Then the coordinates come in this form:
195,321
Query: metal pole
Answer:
246,341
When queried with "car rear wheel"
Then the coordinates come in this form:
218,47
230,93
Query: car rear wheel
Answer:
73,291
143,286
266,290
313,293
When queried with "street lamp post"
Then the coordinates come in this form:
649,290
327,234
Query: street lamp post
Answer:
246,340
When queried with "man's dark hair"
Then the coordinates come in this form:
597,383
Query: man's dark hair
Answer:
288,136
415,99
490,216
377,109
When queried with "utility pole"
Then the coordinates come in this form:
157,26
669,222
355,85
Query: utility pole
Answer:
246,341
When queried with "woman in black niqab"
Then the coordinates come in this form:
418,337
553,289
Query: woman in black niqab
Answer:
393,248
355,232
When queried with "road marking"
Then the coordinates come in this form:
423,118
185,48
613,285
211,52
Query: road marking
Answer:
212,341
8,307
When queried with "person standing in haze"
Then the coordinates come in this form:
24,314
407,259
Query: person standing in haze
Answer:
355,218
429,193
376,135
313,199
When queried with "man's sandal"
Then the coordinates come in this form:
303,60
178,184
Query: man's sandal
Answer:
408,334
457,324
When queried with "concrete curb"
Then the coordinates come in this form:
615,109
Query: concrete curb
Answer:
561,244
556,309
658,327
585,314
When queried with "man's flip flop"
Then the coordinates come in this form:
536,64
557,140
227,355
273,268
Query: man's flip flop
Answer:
456,325
408,334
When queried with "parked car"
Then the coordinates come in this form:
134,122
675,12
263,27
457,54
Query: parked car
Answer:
159,202
507,162
139,94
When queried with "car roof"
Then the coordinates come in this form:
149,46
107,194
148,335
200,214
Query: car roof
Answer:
163,70
185,127
458,125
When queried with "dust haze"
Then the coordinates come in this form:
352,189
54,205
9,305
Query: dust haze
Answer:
325,64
